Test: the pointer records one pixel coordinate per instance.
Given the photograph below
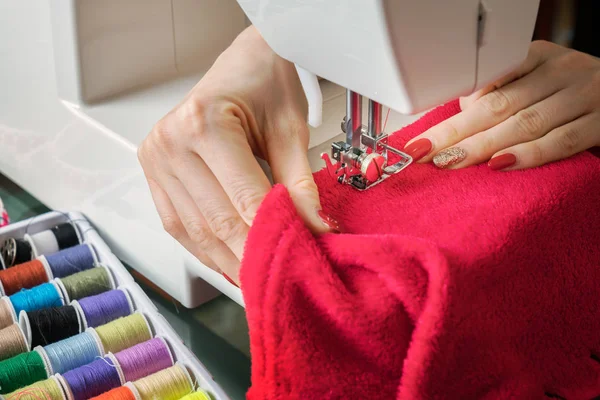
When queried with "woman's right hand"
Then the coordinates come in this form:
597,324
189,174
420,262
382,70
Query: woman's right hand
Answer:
200,163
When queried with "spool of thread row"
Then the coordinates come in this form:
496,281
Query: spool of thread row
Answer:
21,370
7,313
144,359
43,296
58,238
23,276
71,261
48,389
86,283
169,384
12,342
123,333
71,353
120,393
92,379
103,308
16,251
50,325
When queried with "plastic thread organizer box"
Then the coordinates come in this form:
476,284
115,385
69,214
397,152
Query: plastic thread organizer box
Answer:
121,279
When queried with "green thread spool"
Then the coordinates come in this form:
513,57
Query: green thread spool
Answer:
48,389
169,384
87,283
199,395
20,371
124,333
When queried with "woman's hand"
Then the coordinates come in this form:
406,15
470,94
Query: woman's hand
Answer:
200,163
547,110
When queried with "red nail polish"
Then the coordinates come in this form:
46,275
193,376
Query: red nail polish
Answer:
503,161
418,149
330,222
229,279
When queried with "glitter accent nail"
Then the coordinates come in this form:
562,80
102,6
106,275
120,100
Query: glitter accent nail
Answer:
448,157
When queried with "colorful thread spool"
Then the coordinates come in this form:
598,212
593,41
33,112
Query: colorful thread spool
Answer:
169,384
198,395
120,393
86,283
71,261
21,370
144,359
103,308
45,295
16,251
12,342
23,276
7,313
66,235
48,389
123,333
71,353
50,241
92,379
50,325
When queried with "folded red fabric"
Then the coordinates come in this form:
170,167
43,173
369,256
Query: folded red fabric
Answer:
466,284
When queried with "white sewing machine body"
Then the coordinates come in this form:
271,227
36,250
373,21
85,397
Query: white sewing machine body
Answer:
82,82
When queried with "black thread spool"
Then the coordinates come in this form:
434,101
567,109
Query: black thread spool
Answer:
65,235
16,251
50,325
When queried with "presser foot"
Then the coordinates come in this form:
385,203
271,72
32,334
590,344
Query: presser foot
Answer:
362,168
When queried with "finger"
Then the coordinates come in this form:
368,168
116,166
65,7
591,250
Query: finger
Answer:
212,201
172,224
560,143
289,162
526,125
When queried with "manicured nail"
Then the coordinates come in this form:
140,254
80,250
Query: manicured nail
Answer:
229,279
418,149
502,161
329,222
448,157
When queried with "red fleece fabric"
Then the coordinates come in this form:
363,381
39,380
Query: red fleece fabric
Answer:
466,284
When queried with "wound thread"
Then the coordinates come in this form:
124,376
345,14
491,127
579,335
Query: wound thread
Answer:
72,352
65,235
12,342
144,359
120,393
43,296
23,276
105,307
7,314
16,251
48,389
71,261
169,384
21,370
124,333
93,379
87,283
198,395
51,325
44,243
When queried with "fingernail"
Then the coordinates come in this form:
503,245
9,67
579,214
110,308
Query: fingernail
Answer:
502,161
329,222
229,279
448,157
418,149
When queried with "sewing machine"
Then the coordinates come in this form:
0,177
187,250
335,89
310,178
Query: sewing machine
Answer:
84,81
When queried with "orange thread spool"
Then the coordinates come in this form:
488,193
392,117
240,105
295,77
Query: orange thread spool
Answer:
120,393
23,276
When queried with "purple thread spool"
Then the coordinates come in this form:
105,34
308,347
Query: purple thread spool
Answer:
105,307
144,359
71,261
93,379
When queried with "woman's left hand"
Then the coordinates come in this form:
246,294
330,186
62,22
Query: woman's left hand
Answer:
547,110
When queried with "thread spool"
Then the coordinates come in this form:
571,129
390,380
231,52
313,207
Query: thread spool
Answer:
91,380
71,353
43,296
71,261
23,276
16,251
120,393
86,283
7,313
12,342
21,370
144,359
103,308
43,243
50,325
66,235
123,333
197,395
169,384
48,389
